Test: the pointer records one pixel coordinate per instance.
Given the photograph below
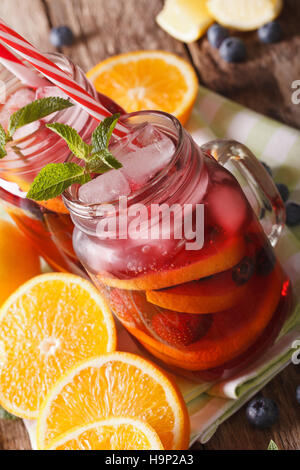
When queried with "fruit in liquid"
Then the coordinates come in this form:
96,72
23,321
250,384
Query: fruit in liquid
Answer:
196,310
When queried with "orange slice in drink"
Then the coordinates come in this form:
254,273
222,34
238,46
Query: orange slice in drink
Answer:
110,434
212,259
231,331
208,295
148,80
114,385
55,205
49,324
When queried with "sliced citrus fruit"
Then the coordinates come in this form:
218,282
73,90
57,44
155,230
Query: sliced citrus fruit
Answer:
148,80
19,261
230,334
212,259
208,295
110,434
244,15
185,20
114,385
46,326
55,205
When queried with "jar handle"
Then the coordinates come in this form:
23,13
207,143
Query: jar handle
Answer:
255,181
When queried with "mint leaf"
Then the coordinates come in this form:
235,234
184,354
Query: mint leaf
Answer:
3,139
54,178
103,161
102,134
272,445
6,415
73,139
36,110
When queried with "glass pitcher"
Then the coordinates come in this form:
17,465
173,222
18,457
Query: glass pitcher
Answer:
205,301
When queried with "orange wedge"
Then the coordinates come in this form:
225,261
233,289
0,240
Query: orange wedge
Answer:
190,266
49,324
114,385
208,295
110,434
148,80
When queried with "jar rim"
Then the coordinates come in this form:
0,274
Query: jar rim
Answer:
90,210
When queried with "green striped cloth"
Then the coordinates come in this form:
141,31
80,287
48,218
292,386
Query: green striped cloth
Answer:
278,145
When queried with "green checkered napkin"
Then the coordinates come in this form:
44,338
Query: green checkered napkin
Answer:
279,146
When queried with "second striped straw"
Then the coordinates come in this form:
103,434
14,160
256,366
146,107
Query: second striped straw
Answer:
55,75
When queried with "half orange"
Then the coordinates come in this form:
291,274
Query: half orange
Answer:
143,80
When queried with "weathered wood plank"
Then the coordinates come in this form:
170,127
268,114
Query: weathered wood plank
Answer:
105,28
13,435
29,19
264,81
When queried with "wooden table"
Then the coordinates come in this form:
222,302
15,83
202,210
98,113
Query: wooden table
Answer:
263,83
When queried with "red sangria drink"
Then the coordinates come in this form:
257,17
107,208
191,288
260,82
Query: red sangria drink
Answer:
177,249
46,223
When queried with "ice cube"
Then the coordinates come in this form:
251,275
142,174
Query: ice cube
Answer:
104,188
27,130
17,100
143,153
48,91
229,207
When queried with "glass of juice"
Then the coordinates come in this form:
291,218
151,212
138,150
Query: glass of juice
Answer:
180,242
47,224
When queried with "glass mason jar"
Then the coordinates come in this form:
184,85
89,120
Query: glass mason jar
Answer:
212,298
47,225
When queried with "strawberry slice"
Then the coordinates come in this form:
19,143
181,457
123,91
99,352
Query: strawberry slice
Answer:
180,329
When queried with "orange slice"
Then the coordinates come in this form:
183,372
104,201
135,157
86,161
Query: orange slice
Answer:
212,259
19,261
230,334
208,295
49,324
155,80
114,385
110,434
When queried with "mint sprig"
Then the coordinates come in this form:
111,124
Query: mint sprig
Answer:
36,110
75,143
272,445
2,142
54,178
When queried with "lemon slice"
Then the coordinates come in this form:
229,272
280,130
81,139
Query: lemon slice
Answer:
185,20
244,15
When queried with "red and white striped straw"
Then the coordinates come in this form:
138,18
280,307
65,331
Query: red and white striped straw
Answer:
28,76
57,76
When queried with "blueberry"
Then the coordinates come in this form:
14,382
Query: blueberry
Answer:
298,394
233,50
265,261
216,35
243,271
283,191
266,167
262,412
292,214
270,32
62,36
